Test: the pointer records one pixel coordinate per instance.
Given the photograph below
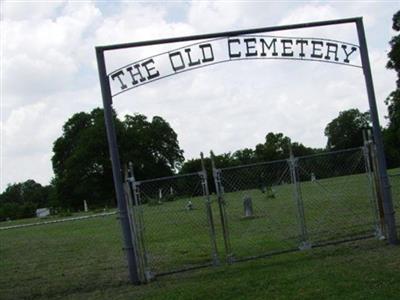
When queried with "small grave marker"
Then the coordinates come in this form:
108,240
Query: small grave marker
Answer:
313,177
248,206
85,206
189,205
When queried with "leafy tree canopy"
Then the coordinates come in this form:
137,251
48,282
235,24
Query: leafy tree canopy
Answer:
27,191
81,160
20,200
276,146
345,131
392,132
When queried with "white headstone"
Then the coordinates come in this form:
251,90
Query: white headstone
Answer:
313,178
189,205
248,206
42,212
85,206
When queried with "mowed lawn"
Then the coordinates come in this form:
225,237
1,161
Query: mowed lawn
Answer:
83,259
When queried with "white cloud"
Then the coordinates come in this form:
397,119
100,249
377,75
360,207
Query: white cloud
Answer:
49,72
20,11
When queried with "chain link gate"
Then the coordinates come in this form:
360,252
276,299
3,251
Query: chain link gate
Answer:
172,223
258,214
287,205
260,209
338,193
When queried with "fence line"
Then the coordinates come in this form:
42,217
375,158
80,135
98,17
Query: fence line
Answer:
324,199
58,221
258,210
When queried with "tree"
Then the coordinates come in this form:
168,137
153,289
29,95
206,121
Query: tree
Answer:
81,158
276,147
152,146
20,200
345,131
392,132
244,156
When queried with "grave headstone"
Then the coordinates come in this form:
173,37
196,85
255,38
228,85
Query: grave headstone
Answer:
313,177
85,206
270,192
189,205
160,196
248,206
42,212
263,189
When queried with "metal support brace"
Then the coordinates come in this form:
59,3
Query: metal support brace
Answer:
137,224
206,193
222,212
305,243
374,193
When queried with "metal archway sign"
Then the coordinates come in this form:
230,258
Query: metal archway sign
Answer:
233,45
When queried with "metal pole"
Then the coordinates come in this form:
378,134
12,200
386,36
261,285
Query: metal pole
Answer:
137,210
209,213
116,169
299,201
378,187
384,180
222,212
373,193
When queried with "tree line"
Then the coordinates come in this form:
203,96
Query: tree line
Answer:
82,168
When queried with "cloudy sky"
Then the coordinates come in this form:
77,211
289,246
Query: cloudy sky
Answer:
49,72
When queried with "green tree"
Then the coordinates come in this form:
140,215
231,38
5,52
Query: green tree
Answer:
81,158
276,147
345,131
152,146
20,200
392,132
244,156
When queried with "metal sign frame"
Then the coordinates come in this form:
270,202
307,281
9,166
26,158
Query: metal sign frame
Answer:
129,245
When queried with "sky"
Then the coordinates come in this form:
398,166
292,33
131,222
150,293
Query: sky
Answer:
49,72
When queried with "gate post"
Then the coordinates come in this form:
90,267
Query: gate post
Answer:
375,194
137,224
129,246
206,193
222,212
383,176
292,161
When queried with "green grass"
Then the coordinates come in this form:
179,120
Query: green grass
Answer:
83,259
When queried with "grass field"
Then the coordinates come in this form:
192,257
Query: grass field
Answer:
83,259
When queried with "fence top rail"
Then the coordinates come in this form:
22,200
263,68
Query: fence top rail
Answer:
284,160
254,164
168,177
329,153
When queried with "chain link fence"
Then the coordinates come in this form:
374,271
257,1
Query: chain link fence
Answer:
259,209
338,196
296,203
176,229
177,224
